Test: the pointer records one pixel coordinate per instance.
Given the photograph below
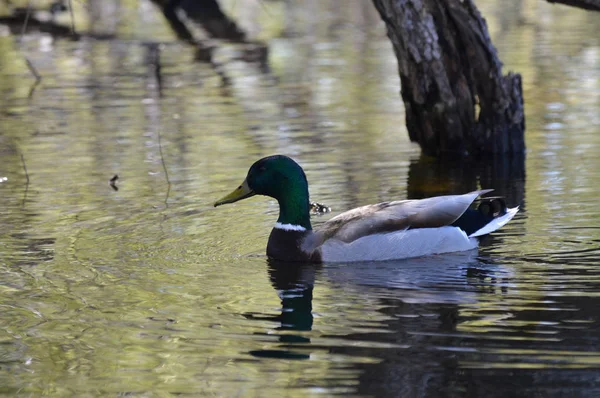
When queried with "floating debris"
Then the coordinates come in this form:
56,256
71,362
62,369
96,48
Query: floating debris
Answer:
319,208
113,182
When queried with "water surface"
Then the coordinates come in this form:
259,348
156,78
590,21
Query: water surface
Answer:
149,290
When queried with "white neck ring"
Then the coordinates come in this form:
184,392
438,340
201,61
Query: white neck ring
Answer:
289,227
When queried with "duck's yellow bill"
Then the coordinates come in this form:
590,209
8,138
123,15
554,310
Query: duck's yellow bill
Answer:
241,192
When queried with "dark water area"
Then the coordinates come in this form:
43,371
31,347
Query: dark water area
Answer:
149,291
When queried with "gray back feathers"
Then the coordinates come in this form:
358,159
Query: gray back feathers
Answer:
394,216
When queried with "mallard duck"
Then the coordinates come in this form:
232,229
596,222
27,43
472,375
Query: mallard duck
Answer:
383,231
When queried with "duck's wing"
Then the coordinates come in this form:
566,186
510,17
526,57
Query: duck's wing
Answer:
433,212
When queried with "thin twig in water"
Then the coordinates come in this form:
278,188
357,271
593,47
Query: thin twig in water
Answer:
72,17
33,87
265,8
154,64
167,195
25,168
26,181
27,15
157,72
32,68
162,159
25,196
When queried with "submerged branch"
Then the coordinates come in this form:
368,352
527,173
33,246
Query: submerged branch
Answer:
169,11
207,13
593,5
30,65
27,16
72,17
26,181
162,159
25,168
23,21
33,70
153,62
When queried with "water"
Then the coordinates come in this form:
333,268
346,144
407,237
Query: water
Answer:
149,290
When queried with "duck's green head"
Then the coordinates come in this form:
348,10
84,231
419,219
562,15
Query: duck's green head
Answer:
281,178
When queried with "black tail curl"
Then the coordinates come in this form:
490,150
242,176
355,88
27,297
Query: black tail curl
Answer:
474,219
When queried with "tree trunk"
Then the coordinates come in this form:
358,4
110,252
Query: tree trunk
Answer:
456,99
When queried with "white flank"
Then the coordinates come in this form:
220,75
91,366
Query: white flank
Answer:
496,223
289,227
398,245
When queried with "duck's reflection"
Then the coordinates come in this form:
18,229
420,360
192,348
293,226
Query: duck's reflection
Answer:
294,283
414,281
